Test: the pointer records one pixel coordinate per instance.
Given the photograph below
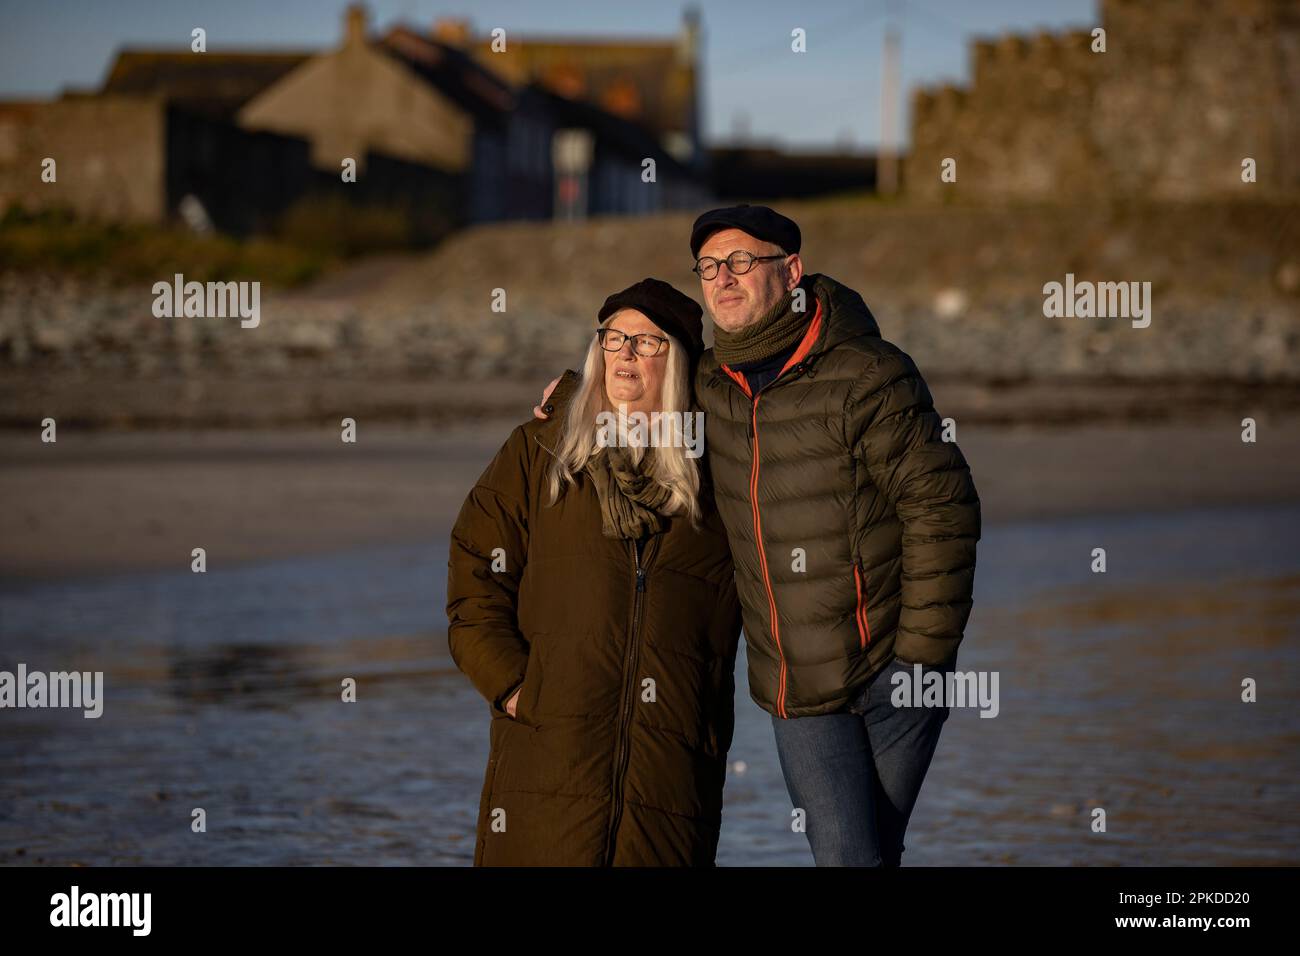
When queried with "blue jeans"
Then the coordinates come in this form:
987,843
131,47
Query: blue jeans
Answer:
857,773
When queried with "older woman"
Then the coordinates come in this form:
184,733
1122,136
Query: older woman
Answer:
591,601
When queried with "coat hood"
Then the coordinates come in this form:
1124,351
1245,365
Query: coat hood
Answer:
844,315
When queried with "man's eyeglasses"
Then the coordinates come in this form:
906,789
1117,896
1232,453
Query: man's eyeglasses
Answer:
739,262
643,343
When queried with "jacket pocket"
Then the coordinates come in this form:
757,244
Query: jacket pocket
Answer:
526,705
496,753
860,608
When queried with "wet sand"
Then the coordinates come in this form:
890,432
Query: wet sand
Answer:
104,502
1118,691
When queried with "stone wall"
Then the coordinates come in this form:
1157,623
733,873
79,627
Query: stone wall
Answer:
960,289
109,153
1183,93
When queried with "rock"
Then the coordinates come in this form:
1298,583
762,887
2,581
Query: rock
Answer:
1288,277
311,338
47,338
950,303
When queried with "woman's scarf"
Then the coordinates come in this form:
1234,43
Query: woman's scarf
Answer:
631,502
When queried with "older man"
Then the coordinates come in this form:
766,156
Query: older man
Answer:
852,524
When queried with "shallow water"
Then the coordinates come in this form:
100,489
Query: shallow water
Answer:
1119,690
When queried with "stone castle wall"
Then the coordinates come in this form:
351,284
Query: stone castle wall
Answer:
1184,92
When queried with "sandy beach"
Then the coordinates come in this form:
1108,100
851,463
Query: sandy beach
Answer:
102,502
301,375
328,560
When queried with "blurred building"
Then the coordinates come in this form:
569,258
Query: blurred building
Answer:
244,136
1182,94
650,82
128,158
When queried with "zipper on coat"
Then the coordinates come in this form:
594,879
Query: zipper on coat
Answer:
625,707
860,611
804,365
762,554
794,370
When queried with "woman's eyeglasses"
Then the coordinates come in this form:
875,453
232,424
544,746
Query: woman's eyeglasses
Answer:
643,343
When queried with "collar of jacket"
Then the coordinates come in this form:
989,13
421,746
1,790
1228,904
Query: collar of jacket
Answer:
547,432
844,317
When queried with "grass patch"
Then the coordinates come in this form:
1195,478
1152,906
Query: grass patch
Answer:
58,241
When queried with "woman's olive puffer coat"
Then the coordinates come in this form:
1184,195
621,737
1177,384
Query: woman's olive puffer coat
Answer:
617,753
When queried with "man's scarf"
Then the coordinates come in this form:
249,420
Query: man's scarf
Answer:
774,332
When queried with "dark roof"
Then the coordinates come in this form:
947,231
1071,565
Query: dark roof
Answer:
452,72
645,80
216,84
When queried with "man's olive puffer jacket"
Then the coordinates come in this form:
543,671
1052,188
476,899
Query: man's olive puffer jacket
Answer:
852,522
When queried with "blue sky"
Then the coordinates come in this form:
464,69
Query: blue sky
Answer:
752,81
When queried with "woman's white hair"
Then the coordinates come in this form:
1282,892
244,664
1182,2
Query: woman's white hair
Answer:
665,463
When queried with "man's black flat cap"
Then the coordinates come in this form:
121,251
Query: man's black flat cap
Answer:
674,312
759,221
